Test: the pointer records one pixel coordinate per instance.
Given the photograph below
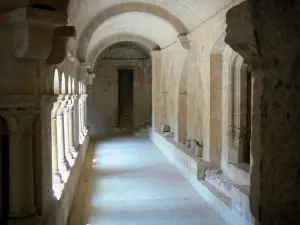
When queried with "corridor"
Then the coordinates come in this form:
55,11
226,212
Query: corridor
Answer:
132,183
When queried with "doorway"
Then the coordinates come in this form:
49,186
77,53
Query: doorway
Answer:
4,172
125,99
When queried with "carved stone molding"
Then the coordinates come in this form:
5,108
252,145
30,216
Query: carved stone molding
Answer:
61,35
19,120
90,78
33,31
240,34
184,41
19,101
84,65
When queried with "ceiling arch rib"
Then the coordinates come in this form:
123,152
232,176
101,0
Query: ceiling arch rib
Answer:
118,9
136,24
111,40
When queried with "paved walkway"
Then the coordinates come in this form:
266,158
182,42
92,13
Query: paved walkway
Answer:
132,183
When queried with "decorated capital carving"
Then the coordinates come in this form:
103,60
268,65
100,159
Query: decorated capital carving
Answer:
62,104
90,78
33,31
240,34
19,120
184,41
61,35
48,100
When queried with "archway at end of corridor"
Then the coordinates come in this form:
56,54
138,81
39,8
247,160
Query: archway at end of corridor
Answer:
121,94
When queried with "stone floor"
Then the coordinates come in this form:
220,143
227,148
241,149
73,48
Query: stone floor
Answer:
132,183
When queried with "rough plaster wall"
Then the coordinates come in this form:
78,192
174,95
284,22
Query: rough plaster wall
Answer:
103,96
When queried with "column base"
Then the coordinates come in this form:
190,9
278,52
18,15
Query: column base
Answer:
70,159
33,220
56,178
64,166
73,152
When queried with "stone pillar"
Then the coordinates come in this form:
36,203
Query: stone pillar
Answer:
63,164
21,185
181,129
56,176
156,74
80,119
85,114
76,121
66,116
71,125
276,129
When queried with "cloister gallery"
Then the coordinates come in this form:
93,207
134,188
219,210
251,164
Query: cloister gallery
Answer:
149,112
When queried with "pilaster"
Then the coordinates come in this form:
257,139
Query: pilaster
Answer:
156,74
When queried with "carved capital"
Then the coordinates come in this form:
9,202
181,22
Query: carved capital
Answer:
19,120
184,41
48,100
61,35
240,34
33,31
90,78
84,65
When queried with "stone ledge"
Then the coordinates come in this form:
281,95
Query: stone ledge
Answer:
234,209
61,208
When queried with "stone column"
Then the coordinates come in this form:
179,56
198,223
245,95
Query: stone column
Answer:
156,74
76,122
66,116
71,125
21,185
80,119
276,129
56,176
63,164
84,114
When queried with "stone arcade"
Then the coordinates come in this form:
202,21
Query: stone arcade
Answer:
213,84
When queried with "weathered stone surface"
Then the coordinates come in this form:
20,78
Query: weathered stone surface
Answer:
274,161
165,128
194,144
187,143
169,134
198,151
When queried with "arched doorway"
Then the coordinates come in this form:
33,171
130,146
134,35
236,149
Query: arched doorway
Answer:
4,172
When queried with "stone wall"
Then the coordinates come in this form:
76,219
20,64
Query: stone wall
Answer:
103,95
200,72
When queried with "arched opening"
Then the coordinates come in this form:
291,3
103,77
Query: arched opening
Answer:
4,171
63,88
144,9
247,113
69,85
56,82
122,87
73,85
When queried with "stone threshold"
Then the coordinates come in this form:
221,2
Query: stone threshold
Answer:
233,208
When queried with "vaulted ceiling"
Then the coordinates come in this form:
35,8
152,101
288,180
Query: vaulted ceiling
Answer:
153,21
